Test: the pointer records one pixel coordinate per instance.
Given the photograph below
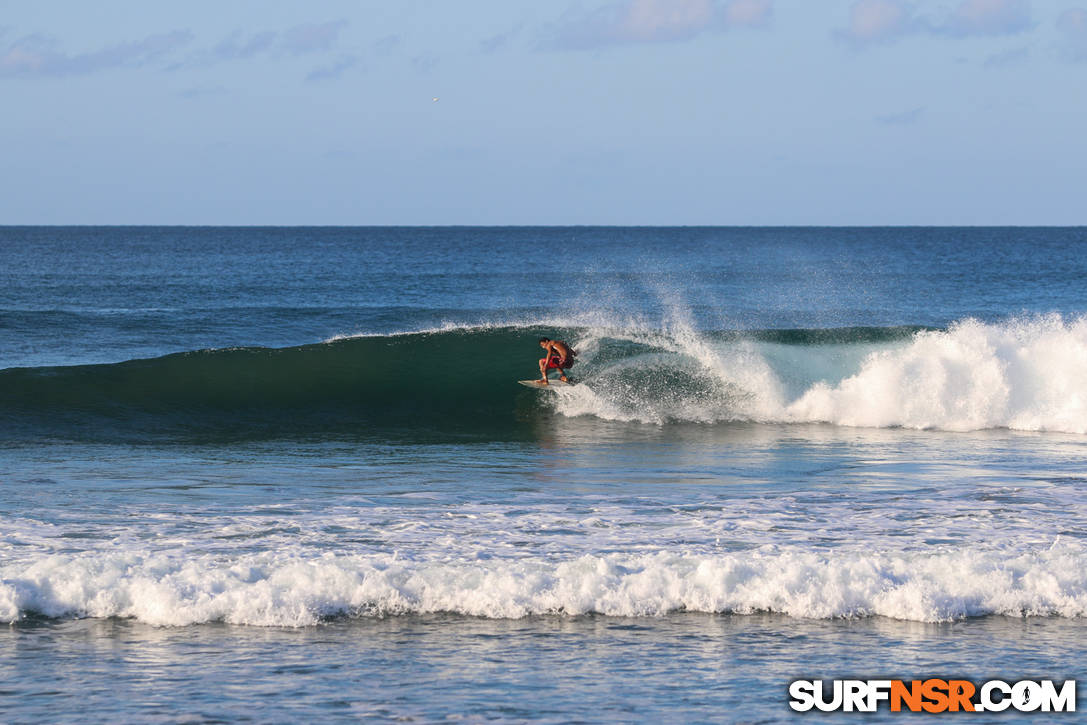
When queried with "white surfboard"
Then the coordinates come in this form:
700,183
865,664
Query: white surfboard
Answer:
540,386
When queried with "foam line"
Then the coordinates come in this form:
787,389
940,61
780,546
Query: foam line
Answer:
295,590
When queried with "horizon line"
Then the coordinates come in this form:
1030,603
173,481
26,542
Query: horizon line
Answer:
545,226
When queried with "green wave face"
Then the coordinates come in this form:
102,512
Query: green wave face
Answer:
459,380
430,379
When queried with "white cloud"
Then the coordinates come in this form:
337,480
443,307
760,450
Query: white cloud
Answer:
882,21
878,21
988,17
1073,26
650,20
654,21
38,55
749,13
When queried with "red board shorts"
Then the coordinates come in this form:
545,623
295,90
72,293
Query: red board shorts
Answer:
553,363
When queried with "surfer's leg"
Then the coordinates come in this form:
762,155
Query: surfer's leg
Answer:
543,370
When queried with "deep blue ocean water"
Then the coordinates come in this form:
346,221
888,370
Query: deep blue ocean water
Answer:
280,474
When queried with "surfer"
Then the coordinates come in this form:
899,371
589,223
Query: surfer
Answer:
557,356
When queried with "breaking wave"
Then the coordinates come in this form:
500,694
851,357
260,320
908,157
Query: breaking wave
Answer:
293,590
1024,374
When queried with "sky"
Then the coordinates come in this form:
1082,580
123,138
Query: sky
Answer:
685,112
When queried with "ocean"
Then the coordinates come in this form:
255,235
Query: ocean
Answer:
287,474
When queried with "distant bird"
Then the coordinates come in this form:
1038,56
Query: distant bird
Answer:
434,99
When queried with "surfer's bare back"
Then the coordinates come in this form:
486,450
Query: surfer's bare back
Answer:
557,356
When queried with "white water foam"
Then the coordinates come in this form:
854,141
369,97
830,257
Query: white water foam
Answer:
275,589
1024,374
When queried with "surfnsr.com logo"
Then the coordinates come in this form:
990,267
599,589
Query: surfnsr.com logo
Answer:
932,695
